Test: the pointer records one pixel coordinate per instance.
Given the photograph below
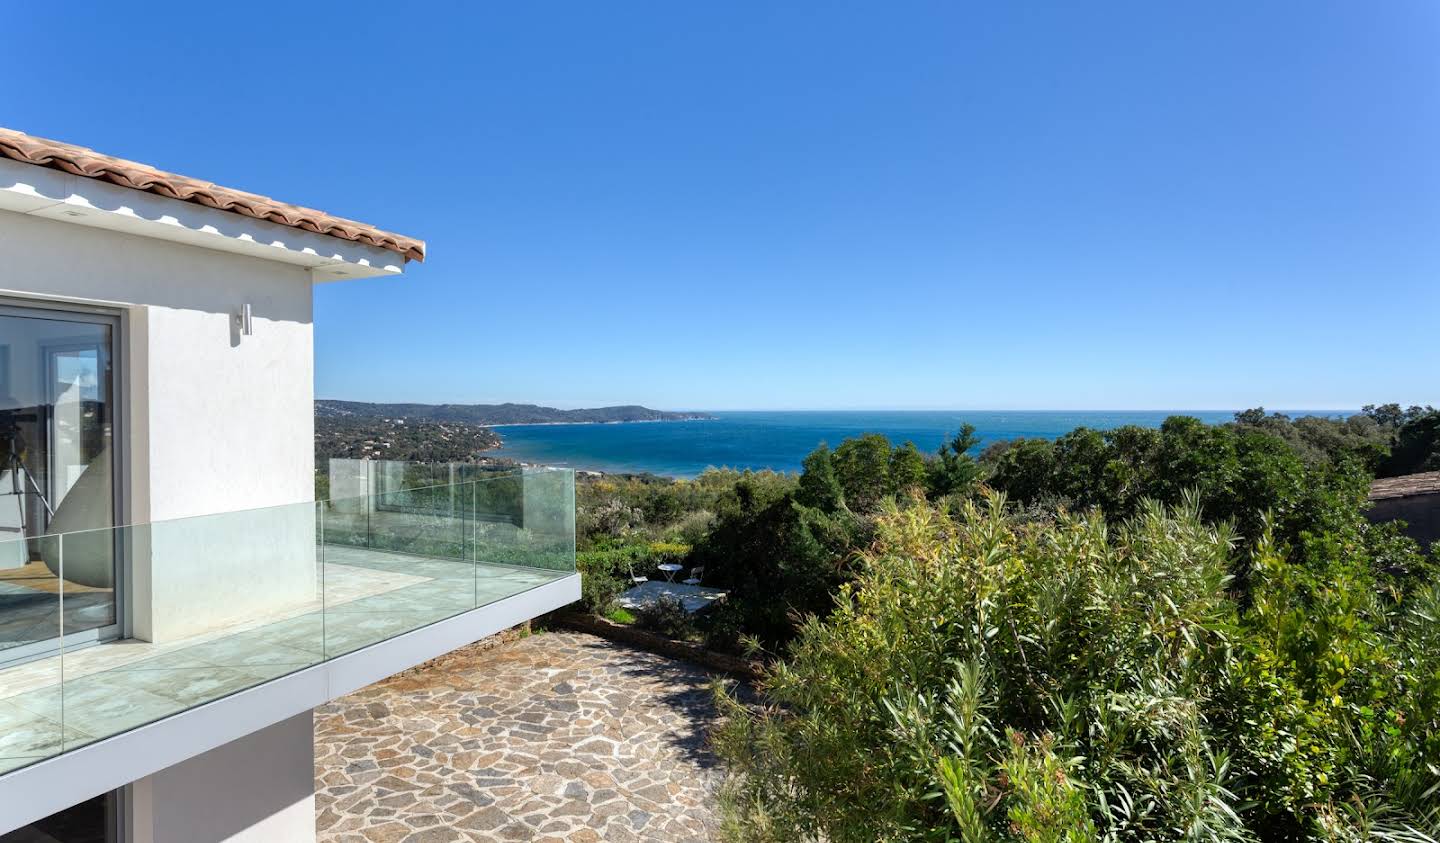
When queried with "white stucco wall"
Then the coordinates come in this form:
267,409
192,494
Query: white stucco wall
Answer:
258,789
216,422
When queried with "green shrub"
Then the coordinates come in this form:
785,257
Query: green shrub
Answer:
599,590
1068,679
692,527
659,509
666,616
605,574
722,627
780,561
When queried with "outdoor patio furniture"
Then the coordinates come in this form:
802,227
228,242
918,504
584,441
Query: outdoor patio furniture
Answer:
635,578
670,569
693,598
697,573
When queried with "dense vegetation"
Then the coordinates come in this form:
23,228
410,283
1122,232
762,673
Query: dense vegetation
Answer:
1189,632
371,437
988,676
784,544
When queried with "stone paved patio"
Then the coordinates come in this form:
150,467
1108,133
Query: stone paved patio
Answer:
555,737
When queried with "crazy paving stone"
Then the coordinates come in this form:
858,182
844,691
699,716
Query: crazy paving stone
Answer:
556,736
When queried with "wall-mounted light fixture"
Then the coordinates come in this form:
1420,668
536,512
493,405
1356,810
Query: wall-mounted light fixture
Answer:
242,321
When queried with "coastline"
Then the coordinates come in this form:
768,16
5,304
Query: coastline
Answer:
587,470
615,421
578,466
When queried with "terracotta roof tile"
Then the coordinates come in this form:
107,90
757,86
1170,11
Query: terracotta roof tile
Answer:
1424,483
79,161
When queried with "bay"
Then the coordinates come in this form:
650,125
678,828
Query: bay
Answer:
780,439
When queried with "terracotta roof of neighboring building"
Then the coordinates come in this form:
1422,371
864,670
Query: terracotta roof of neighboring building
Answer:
79,161
1424,483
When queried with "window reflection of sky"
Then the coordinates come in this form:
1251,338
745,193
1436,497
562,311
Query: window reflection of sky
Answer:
80,369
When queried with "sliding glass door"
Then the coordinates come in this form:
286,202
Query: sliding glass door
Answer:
57,475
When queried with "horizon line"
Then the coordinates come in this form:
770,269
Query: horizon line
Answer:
1318,408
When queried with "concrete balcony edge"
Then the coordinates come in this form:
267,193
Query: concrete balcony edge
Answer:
34,792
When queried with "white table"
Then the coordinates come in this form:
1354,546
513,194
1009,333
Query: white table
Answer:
670,569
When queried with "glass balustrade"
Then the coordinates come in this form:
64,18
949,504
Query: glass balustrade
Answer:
219,603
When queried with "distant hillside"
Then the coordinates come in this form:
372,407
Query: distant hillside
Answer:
487,414
416,440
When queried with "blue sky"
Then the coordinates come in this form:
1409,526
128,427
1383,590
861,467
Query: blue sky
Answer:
829,205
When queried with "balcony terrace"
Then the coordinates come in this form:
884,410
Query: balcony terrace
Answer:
328,582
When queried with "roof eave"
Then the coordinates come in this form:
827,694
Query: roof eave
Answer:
54,194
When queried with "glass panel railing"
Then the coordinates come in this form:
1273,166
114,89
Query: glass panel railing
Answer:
524,531
394,562
216,604
30,717
219,603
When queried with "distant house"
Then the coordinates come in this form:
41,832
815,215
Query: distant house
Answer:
173,601
1414,499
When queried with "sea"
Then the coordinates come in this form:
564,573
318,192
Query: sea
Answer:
780,440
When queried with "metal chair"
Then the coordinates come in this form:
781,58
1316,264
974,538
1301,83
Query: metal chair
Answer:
697,573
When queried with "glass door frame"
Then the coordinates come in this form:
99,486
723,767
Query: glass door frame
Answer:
115,319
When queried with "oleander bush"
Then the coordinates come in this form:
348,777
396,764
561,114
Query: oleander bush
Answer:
990,676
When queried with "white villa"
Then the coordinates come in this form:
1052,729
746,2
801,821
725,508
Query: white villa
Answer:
173,600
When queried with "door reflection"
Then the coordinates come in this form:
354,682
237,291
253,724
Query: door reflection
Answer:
56,476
